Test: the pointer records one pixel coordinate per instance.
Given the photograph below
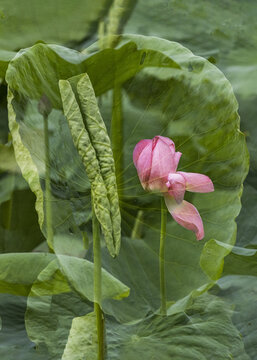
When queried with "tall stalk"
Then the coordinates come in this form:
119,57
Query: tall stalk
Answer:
117,136
7,213
162,258
98,288
137,228
119,14
48,205
44,108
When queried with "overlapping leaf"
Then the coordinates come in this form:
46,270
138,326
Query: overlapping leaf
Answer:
69,184
204,330
44,66
199,333
51,292
196,107
48,320
82,341
225,33
14,342
47,276
25,161
240,292
179,95
19,271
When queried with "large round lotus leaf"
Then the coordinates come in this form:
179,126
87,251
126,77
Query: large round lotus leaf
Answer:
170,92
212,29
14,341
203,331
36,71
241,293
194,106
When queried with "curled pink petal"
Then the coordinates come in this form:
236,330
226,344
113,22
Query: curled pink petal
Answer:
139,148
144,164
197,182
162,164
170,143
186,215
176,186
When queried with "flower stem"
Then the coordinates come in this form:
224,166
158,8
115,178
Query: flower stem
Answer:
48,205
98,288
117,136
137,228
7,209
161,257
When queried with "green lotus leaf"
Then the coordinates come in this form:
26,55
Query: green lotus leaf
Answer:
69,183
168,91
240,292
202,331
20,271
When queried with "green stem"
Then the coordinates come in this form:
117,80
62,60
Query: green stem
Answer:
137,229
8,213
101,34
7,208
85,240
117,136
119,14
98,288
48,205
6,220
162,257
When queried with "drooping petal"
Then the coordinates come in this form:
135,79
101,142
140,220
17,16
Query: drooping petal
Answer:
144,163
197,182
139,148
186,215
177,186
162,164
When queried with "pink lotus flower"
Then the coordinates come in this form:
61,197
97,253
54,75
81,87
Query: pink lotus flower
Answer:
156,162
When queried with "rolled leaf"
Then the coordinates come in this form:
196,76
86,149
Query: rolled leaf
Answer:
102,145
92,142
